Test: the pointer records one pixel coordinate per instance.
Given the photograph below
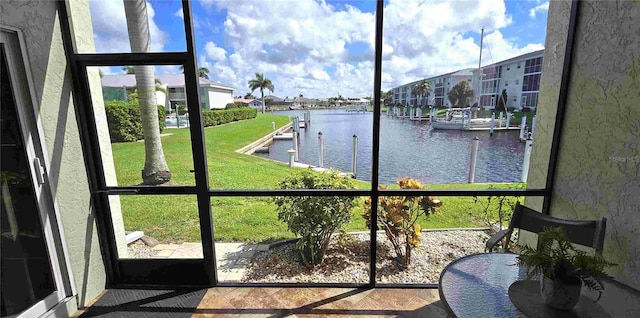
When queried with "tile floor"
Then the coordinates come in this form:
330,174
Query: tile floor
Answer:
319,302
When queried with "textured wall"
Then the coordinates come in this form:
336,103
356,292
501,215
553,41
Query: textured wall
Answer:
40,26
598,170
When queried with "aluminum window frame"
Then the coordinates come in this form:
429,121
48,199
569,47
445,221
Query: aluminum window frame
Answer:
143,272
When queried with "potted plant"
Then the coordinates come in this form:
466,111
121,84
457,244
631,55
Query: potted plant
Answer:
563,269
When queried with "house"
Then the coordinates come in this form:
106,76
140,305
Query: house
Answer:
245,101
212,95
63,238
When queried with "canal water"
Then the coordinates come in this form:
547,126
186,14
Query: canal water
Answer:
407,148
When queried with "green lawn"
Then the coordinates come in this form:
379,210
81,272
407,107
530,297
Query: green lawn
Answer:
248,219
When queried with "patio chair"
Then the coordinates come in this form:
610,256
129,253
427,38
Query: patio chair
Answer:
587,233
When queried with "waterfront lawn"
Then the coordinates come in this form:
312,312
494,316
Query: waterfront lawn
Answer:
243,219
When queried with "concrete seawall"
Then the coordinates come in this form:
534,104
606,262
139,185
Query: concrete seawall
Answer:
264,141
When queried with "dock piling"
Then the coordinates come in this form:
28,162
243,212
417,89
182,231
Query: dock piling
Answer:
533,126
354,163
307,119
508,120
321,145
522,126
474,156
493,124
527,158
295,145
291,155
500,120
273,125
466,120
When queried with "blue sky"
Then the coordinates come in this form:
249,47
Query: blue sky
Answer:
325,48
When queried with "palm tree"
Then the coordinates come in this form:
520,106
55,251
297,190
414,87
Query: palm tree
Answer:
156,170
421,89
203,72
260,82
129,69
387,98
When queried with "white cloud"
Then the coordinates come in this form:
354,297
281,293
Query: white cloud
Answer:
215,53
544,7
322,48
179,13
110,27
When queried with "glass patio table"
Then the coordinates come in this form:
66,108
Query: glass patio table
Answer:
477,285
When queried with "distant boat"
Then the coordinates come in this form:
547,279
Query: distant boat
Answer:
454,120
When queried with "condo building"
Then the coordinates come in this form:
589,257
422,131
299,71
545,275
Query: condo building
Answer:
519,76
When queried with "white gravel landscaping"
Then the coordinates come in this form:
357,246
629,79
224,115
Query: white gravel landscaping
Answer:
347,261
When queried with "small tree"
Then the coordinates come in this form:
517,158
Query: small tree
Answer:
502,102
460,93
314,218
398,216
495,210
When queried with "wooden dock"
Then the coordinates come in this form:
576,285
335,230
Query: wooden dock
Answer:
494,129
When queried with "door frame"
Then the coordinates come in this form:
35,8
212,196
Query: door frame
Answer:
32,133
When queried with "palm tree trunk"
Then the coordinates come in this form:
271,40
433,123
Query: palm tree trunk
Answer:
156,170
262,94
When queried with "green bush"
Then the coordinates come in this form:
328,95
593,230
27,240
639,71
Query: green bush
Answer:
314,218
124,121
219,117
182,109
235,105
162,115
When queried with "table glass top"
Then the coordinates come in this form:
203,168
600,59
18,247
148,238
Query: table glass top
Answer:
477,285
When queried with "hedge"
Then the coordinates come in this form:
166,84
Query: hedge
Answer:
219,117
124,120
235,105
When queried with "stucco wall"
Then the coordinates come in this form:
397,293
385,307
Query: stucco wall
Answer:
219,98
38,21
598,170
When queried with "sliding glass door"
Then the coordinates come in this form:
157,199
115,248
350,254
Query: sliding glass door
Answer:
31,279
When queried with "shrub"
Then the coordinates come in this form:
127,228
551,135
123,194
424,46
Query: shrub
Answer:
219,117
495,210
162,114
397,216
526,109
182,109
124,120
235,105
314,218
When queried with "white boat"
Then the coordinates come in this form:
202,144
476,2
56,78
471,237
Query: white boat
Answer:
447,125
453,119
459,119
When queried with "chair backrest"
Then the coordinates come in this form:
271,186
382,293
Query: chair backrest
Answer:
586,233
